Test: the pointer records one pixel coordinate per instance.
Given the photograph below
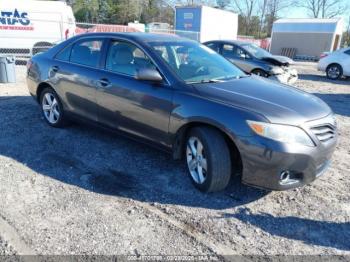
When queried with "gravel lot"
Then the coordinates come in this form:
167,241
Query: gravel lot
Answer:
84,191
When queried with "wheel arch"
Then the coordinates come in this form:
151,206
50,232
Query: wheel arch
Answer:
259,69
40,89
335,63
181,134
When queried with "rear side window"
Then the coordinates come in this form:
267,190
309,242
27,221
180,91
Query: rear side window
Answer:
213,46
64,54
86,53
347,52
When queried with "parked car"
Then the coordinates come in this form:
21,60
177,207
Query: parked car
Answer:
188,100
254,60
335,64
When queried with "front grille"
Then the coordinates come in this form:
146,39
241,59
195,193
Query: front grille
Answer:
324,132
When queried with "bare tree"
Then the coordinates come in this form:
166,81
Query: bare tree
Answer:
324,8
223,3
273,9
346,37
246,8
262,13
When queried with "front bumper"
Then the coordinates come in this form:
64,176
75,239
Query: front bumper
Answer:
289,77
265,160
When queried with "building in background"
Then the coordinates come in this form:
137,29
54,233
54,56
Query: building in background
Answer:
306,38
138,26
156,27
209,23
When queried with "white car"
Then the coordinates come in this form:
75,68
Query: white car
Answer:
336,64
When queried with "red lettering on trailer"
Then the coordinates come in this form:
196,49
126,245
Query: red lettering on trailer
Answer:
11,27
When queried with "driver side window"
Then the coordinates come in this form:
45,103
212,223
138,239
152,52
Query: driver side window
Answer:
234,52
126,58
241,53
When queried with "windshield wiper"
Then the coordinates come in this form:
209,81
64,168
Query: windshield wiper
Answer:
217,80
205,81
211,81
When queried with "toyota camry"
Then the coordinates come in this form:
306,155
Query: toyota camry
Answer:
185,98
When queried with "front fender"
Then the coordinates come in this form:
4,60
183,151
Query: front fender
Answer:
195,110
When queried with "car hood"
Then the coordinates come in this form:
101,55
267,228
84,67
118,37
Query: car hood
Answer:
278,103
278,60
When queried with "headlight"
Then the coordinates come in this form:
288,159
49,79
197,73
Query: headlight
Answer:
281,133
276,70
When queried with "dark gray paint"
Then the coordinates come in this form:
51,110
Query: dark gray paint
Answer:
160,112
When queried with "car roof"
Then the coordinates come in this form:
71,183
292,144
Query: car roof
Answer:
235,42
143,37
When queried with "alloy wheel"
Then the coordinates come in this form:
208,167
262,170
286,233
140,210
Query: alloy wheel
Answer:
333,72
51,108
196,160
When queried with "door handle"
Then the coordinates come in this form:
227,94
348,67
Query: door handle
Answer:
103,83
55,68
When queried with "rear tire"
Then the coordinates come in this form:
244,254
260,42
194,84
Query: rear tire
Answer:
334,71
51,108
208,159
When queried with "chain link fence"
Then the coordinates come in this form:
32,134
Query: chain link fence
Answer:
22,42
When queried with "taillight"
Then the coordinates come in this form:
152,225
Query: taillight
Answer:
323,56
29,64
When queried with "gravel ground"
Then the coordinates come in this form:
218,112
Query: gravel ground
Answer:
5,249
84,191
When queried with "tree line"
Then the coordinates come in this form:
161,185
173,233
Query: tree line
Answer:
256,17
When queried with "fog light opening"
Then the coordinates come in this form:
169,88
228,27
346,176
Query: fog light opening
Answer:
284,176
289,177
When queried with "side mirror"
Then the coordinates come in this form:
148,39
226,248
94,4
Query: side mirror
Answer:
148,74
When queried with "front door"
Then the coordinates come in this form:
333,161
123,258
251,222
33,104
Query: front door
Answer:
237,56
138,107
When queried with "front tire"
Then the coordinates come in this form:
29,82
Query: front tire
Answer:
334,72
208,159
260,72
51,108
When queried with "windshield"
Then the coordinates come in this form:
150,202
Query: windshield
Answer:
196,63
256,51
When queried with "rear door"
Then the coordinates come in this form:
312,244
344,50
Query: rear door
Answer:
141,108
75,72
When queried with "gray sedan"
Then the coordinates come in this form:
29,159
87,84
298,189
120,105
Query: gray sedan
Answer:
254,60
188,100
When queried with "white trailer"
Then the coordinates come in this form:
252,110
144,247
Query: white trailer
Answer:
309,37
211,23
27,26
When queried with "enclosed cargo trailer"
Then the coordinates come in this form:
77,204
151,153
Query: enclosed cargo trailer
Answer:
211,23
308,37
